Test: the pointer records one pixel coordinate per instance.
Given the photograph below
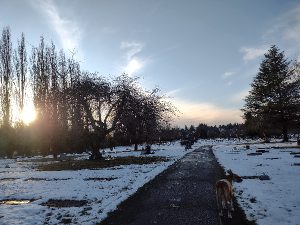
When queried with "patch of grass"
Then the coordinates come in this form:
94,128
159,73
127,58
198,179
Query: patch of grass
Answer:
261,177
85,211
100,178
281,147
8,179
60,203
294,153
253,200
97,164
66,221
38,160
45,179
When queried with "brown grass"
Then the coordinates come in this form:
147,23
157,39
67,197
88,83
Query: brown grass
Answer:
59,203
97,164
281,147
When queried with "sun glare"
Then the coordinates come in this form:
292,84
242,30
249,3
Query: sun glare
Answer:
28,114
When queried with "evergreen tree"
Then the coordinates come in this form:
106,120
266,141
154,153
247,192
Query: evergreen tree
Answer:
273,100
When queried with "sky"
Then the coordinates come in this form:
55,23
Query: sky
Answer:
203,54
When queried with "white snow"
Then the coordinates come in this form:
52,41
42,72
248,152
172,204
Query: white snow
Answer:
274,201
269,202
20,180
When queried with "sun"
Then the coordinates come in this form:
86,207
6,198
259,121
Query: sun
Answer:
28,115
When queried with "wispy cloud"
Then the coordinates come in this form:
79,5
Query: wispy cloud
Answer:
239,96
228,74
286,30
133,66
132,48
109,30
133,62
195,113
229,83
173,92
68,31
289,25
253,53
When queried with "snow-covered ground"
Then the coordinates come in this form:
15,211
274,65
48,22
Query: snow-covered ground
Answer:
20,180
269,202
274,201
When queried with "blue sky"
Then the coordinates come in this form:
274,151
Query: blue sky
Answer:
203,54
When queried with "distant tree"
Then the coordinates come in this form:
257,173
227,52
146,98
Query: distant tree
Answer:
201,131
169,134
274,98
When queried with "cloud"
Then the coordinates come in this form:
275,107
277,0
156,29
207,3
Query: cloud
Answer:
172,92
133,66
132,48
289,23
240,96
253,53
229,83
195,113
109,30
133,62
67,30
228,74
286,30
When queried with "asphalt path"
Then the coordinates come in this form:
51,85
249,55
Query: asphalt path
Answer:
184,194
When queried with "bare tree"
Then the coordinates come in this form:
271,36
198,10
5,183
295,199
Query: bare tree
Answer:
20,62
142,114
6,75
99,101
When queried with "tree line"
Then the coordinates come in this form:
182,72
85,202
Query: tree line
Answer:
76,110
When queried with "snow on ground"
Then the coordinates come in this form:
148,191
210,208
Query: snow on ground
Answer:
20,180
274,201
269,202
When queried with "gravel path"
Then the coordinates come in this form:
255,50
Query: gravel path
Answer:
183,194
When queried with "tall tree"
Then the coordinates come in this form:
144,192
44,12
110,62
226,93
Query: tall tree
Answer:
274,97
6,75
20,62
40,72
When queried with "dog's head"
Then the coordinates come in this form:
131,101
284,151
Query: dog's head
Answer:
234,177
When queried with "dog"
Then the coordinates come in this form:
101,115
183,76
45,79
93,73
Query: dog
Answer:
224,193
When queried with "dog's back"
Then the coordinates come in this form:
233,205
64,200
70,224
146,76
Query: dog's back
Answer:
224,191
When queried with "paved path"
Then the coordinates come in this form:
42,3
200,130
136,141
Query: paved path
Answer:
184,194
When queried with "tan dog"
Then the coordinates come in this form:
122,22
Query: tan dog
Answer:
224,192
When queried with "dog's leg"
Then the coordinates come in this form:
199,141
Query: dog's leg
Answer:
229,210
231,205
218,203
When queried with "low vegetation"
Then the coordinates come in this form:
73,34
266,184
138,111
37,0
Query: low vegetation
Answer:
96,164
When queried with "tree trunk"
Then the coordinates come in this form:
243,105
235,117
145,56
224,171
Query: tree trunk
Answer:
148,149
285,133
136,146
96,155
266,138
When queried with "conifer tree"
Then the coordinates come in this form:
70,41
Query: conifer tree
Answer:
273,100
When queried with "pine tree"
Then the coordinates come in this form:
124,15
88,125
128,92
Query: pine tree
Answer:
273,100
